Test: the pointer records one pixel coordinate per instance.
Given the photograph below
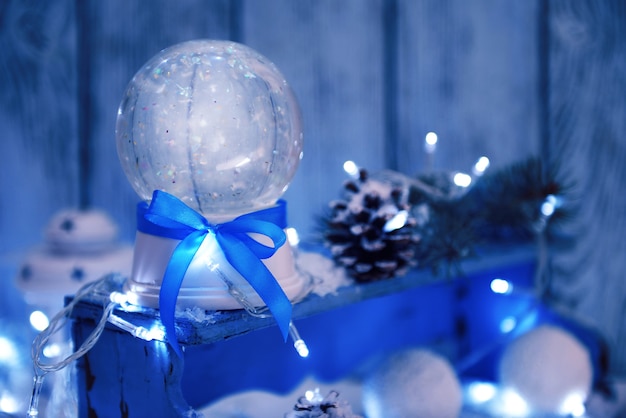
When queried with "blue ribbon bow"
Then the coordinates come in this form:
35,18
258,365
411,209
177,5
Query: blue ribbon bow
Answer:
169,217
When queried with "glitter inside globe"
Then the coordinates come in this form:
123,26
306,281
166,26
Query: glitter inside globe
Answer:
213,123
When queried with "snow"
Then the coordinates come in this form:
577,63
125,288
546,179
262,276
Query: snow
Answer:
326,275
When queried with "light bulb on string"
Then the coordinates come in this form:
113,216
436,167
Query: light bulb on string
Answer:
481,165
298,342
235,291
314,396
155,333
8,351
462,180
481,392
39,320
430,142
430,146
351,169
398,221
9,404
292,236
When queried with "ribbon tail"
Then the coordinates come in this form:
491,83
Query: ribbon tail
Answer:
260,278
172,280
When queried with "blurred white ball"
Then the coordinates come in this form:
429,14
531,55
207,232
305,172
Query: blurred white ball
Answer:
415,383
549,369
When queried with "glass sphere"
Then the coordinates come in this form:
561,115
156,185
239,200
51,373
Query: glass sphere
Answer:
212,122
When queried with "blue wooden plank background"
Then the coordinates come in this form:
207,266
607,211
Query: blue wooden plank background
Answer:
491,77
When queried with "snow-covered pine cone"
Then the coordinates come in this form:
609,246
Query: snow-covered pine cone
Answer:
371,232
328,407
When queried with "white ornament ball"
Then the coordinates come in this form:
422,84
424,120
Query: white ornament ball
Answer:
415,383
549,369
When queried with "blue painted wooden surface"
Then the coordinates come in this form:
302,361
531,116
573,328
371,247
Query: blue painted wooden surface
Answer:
491,77
344,331
587,124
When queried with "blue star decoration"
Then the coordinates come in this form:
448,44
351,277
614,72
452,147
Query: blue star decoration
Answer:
67,225
78,274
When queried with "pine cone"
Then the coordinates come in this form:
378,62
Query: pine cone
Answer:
371,232
328,407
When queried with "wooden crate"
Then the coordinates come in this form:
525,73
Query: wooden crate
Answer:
229,352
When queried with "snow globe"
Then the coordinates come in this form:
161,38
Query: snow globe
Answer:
212,129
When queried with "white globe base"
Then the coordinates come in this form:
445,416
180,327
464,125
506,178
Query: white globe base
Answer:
203,285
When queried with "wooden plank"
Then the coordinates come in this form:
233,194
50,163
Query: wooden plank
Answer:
331,54
228,324
38,118
148,383
469,72
121,37
587,125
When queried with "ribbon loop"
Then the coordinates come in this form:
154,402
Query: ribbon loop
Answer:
168,217
242,227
